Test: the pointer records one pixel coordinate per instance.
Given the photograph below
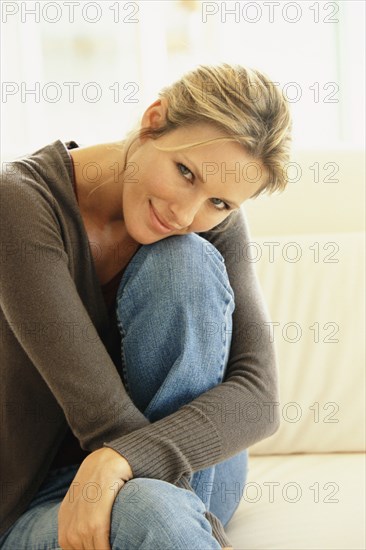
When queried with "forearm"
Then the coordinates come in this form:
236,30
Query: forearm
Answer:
234,414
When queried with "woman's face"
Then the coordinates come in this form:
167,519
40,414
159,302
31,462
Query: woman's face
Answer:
191,190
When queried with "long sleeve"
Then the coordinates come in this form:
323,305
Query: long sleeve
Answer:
56,369
41,305
233,415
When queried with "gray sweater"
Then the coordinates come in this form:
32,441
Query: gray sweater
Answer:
57,372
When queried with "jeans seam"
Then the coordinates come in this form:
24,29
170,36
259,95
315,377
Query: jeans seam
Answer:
123,359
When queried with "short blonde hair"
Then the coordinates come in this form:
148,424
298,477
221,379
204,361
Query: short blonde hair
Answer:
241,102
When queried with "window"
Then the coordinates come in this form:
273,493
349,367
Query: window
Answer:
86,70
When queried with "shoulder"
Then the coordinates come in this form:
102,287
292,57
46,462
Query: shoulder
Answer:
47,164
21,189
37,177
28,212
230,234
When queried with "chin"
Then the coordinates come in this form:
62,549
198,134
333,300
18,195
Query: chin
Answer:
147,240
142,235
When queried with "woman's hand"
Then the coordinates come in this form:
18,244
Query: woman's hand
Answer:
84,517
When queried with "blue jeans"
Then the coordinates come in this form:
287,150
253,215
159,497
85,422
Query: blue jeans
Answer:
172,297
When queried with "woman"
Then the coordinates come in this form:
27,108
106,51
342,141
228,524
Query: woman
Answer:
137,368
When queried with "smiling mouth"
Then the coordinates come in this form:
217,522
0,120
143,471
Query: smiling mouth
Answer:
162,222
158,223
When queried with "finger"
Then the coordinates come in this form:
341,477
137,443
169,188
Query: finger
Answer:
81,544
101,541
87,543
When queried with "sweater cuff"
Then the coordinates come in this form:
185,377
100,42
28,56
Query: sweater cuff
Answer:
218,530
174,446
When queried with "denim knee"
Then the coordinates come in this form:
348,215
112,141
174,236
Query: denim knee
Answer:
178,259
174,310
148,513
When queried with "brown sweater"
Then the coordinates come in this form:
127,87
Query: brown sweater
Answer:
61,371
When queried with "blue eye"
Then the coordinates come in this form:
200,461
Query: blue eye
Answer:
226,206
186,171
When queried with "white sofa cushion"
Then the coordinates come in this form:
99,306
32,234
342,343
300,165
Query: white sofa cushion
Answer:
311,501
318,304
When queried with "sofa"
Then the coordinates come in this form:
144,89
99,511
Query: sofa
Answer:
306,483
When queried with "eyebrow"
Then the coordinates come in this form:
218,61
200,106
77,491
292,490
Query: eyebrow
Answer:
201,179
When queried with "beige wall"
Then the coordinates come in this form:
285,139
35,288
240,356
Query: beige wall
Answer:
310,207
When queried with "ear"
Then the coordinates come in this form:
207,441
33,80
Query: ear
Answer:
155,115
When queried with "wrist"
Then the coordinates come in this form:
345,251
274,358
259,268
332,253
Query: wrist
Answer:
114,461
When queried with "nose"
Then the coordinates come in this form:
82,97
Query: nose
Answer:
184,214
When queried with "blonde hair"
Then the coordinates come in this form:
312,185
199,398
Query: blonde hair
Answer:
241,102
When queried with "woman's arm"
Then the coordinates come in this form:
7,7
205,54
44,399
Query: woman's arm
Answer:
47,334
37,289
38,294
233,415
42,306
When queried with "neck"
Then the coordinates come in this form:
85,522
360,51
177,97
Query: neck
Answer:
99,181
